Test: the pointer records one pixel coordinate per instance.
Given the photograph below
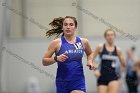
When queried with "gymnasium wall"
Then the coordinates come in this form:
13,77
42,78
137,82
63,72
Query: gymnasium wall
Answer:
23,24
23,60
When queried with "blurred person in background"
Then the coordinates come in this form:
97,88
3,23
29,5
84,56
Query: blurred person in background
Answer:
110,54
137,69
131,76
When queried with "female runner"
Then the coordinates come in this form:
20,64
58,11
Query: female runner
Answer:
69,50
108,80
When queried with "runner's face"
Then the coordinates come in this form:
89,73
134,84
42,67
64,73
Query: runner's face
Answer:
110,37
69,27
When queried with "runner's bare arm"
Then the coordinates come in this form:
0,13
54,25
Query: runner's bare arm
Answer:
48,59
97,51
89,54
88,49
121,57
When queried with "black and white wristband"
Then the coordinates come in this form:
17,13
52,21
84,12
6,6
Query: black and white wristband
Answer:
55,58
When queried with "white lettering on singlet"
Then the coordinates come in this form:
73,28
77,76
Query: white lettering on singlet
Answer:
109,57
78,46
75,51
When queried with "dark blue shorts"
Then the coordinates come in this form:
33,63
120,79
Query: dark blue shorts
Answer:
69,86
103,80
